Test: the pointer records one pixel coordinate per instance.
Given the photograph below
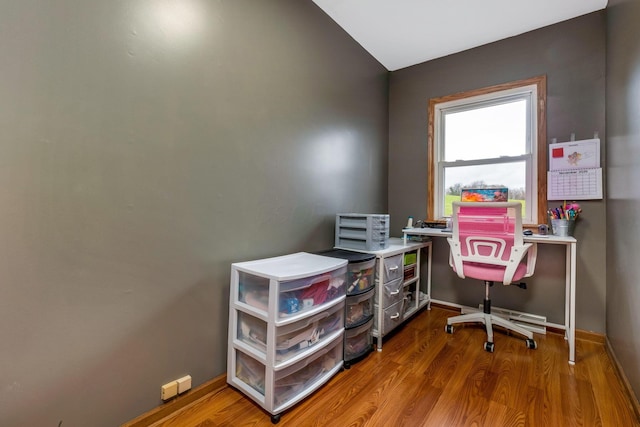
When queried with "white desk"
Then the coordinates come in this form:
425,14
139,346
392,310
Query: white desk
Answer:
570,244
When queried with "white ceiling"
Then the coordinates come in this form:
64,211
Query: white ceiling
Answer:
401,33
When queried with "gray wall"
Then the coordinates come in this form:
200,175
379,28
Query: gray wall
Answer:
144,150
623,176
572,55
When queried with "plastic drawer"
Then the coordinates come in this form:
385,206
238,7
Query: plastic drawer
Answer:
252,331
392,268
250,371
371,235
362,220
294,338
358,341
294,380
310,292
297,337
360,276
392,316
361,244
391,292
295,295
253,290
359,309
360,269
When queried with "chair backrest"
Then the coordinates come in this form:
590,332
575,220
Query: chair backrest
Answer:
490,234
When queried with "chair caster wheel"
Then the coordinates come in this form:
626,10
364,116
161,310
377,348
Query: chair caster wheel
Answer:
489,346
448,329
531,344
275,419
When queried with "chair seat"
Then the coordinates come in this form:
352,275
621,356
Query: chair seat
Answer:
491,273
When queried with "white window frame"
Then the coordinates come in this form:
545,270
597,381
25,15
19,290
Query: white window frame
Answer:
529,95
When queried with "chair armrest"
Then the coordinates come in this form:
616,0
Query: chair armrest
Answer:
532,256
515,258
455,257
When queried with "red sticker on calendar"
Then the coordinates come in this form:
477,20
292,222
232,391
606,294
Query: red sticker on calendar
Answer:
557,152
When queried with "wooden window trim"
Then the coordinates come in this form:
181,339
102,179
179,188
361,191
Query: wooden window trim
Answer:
541,84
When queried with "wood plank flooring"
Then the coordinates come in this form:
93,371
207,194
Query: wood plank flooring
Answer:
425,377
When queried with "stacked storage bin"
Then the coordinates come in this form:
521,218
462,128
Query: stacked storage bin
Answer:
358,341
364,232
286,327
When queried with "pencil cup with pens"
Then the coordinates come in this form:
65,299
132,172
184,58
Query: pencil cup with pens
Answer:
563,219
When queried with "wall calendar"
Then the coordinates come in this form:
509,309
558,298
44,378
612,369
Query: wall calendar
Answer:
574,170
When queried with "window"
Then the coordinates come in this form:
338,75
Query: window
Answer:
490,137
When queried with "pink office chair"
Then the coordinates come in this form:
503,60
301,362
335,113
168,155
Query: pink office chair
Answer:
487,244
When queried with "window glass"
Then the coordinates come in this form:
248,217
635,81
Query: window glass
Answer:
485,132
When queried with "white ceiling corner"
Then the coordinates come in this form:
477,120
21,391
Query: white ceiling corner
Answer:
401,33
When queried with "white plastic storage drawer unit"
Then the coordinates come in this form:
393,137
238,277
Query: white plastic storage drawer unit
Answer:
286,327
362,231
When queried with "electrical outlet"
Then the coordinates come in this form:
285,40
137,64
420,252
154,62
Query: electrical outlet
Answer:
184,384
169,390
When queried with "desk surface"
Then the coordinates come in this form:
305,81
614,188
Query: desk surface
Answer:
537,238
395,246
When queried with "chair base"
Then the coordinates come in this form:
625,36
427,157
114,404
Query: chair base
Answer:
489,320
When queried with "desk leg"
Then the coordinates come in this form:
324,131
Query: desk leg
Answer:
570,301
380,294
429,258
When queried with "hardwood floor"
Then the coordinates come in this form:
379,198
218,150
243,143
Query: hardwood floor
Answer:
425,377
